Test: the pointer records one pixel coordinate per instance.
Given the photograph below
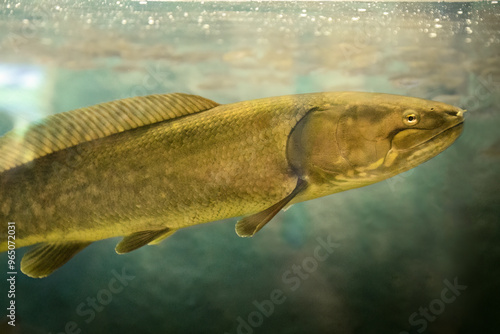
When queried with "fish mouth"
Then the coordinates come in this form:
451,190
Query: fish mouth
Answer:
452,133
403,159
449,134
436,144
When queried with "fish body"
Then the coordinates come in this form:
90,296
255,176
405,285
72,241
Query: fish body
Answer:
145,167
216,164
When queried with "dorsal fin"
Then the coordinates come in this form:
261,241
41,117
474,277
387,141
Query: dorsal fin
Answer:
64,130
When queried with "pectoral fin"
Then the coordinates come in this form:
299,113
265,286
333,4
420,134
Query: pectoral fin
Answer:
142,238
44,258
250,225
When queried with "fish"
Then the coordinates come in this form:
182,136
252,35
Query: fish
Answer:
144,167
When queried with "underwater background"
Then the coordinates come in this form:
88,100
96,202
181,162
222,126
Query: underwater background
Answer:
418,253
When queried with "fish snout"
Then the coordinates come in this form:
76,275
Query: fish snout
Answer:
455,116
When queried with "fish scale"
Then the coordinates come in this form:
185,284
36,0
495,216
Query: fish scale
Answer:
144,167
115,164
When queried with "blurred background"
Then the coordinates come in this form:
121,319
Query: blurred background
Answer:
418,253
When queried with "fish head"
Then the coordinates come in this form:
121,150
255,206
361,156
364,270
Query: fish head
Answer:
396,134
425,130
371,137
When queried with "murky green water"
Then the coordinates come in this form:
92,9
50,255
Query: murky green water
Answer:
418,253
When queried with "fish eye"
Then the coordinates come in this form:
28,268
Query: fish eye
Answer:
410,117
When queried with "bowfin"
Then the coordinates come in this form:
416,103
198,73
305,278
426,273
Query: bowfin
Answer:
142,238
43,259
60,131
250,225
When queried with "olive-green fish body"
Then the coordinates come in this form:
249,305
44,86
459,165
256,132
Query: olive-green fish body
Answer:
144,167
